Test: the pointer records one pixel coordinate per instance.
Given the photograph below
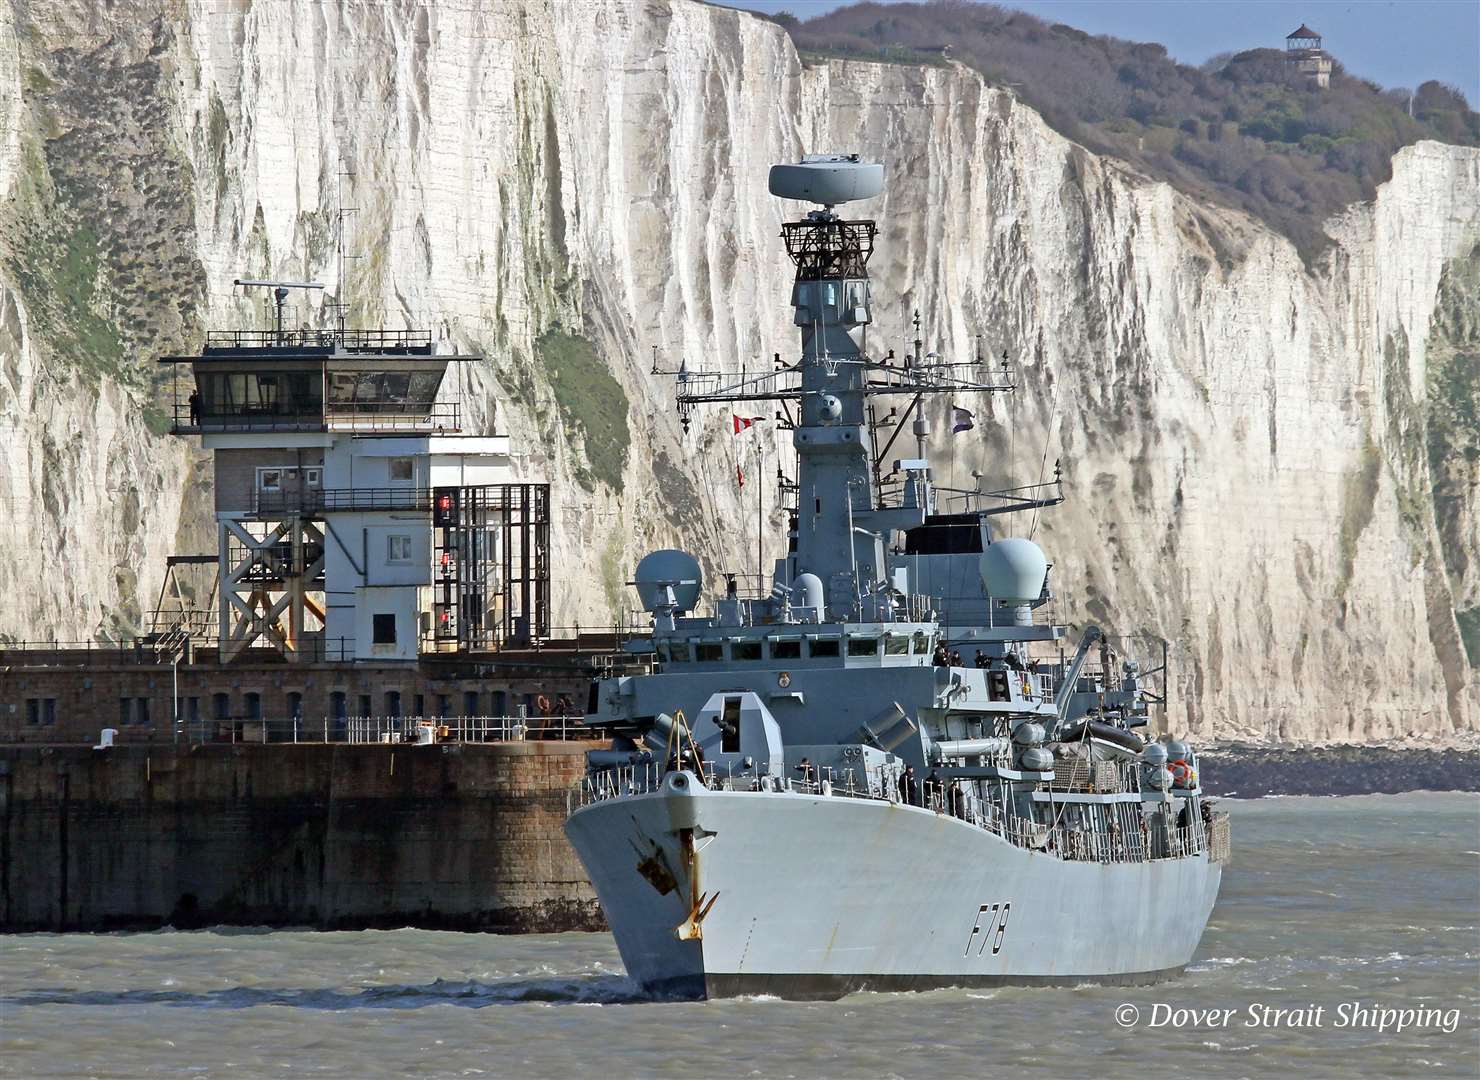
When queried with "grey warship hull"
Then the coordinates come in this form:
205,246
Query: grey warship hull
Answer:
817,896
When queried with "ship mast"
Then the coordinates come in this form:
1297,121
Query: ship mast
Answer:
841,531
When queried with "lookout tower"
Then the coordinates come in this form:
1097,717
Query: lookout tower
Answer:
355,520
1303,52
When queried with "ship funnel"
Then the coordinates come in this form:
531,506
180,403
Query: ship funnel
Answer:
828,179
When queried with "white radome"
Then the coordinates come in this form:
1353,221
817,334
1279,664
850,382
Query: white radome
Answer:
828,179
1014,569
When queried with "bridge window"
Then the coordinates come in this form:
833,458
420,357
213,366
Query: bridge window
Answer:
786,650
862,646
823,647
746,650
896,645
922,644
709,651
680,651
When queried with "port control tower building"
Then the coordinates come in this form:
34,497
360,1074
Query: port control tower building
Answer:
355,520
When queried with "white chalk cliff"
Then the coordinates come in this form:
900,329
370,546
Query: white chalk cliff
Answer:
1242,439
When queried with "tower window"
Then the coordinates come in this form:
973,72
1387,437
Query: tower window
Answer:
383,629
398,549
402,470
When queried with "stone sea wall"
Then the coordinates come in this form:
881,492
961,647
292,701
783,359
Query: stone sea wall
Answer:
463,837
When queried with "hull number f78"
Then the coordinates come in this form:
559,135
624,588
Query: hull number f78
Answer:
990,926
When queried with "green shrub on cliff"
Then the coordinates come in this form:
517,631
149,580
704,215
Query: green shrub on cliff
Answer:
591,401
1243,130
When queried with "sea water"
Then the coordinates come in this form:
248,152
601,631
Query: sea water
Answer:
1345,943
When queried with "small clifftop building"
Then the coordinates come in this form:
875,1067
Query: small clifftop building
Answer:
1303,52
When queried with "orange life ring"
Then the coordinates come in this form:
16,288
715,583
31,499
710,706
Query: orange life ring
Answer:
542,704
1181,773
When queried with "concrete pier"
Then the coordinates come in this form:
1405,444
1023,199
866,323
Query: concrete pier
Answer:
337,836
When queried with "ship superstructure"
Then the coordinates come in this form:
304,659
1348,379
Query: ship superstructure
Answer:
884,772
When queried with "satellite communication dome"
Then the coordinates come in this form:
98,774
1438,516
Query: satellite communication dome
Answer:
659,570
828,179
1014,569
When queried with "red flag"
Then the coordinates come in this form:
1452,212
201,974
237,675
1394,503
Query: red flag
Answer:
742,423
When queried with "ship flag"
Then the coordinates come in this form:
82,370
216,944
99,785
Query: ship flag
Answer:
741,425
961,420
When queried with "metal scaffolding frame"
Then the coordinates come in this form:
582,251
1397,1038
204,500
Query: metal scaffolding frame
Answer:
491,565
269,571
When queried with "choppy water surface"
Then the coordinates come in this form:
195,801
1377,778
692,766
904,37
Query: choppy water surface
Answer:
1329,902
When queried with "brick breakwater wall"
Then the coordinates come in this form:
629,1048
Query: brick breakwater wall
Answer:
461,837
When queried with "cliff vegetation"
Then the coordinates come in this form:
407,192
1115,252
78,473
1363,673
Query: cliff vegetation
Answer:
1244,130
591,401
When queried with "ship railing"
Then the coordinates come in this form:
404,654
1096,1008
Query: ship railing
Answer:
1128,843
644,778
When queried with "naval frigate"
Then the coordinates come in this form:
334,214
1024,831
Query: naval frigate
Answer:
887,771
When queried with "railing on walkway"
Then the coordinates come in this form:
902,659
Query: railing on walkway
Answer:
1140,841
385,729
382,342
375,415
600,645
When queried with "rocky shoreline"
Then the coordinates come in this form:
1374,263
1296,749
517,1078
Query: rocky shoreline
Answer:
1250,772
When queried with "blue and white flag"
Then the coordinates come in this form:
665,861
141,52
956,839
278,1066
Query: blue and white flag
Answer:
961,419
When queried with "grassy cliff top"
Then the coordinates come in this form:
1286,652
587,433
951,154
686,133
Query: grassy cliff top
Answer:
1243,130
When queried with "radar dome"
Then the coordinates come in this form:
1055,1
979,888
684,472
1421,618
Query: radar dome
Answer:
806,592
1014,570
828,179
660,570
